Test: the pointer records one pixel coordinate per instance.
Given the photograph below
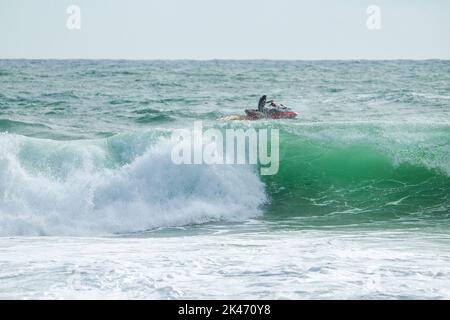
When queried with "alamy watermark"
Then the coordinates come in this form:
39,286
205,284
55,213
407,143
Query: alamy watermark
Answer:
227,147
73,21
74,17
374,18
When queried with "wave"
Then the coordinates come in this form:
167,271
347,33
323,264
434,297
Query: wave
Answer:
7,125
152,115
330,174
67,94
349,173
123,184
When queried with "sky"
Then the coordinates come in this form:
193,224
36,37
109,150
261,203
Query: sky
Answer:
225,29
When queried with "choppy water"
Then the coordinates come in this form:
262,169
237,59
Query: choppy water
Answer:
92,206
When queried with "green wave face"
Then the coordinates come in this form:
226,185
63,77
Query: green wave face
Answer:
354,174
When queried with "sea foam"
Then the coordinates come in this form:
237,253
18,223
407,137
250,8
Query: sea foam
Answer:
90,187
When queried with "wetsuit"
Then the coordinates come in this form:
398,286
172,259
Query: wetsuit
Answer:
262,103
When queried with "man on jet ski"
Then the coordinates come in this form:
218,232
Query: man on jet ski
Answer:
263,102
273,111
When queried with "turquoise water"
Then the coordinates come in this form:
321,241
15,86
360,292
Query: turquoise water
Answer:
85,158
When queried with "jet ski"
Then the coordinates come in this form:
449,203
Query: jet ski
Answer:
280,112
273,111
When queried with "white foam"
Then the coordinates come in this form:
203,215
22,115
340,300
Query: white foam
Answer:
71,188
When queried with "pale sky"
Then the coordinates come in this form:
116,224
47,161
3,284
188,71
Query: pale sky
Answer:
225,29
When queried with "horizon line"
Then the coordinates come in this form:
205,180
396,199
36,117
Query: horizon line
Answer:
230,59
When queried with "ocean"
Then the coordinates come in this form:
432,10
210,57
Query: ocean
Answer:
91,205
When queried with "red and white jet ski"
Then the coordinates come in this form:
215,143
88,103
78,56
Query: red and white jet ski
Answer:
271,113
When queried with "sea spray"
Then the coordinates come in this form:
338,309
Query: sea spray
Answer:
71,188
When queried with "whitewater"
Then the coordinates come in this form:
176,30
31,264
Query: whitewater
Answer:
91,205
